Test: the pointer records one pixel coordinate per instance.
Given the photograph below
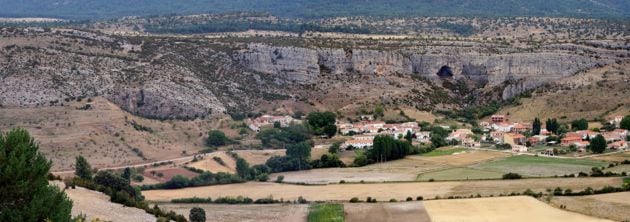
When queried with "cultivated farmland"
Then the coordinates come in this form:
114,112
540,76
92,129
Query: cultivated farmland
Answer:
533,166
514,209
614,206
381,191
246,213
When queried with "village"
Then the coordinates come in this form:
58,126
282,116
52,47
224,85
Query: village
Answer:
497,133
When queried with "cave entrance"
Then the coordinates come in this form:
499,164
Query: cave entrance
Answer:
445,72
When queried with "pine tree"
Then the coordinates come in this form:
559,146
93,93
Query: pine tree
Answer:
24,191
126,174
82,168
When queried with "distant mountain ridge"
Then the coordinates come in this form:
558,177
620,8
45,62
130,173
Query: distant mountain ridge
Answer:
99,9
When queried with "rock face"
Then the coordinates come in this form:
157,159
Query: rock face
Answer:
528,69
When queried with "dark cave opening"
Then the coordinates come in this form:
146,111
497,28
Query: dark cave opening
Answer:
445,72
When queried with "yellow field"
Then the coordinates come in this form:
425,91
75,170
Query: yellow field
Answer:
245,213
381,191
513,209
209,164
614,206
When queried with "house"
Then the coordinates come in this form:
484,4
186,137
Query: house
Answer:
570,139
268,120
521,128
581,144
498,119
514,139
502,127
623,133
612,137
519,149
423,136
615,120
470,143
619,145
586,134
544,132
497,136
357,144
460,135
534,140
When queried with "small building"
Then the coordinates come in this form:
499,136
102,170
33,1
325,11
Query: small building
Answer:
498,119
359,144
423,136
514,139
568,140
581,144
502,127
519,149
619,145
521,128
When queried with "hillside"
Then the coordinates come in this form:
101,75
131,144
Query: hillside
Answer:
94,9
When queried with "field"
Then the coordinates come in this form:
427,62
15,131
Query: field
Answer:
406,169
97,205
209,164
245,213
514,209
104,134
444,151
616,157
619,169
379,212
255,157
326,212
533,166
381,191
165,174
459,174
613,206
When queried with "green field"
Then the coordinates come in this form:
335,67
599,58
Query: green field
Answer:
326,213
460,174
444,151
533,166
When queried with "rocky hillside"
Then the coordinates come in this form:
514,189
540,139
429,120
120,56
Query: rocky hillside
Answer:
190,77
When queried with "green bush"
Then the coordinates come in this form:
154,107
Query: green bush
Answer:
511,176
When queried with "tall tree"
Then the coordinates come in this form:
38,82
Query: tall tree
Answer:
408,137
216,138
552,125
625,123
197,215
82,168
24,191
300,152
322,123
242,168
536,126
598,144
126,174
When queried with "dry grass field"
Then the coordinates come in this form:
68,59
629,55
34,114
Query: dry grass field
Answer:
613,206
382,212
208,163
380,191
514,209
164,174
104,134
255,157
406,169
615,157
608,84
96,205
246,213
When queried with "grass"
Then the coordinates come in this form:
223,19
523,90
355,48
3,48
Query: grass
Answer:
460,174
620,168
326,212
533,166
626,180
444,151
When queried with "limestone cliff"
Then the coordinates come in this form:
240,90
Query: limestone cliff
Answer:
529,69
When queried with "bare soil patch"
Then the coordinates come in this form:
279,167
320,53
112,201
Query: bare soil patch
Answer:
515,209
378,212
253,212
